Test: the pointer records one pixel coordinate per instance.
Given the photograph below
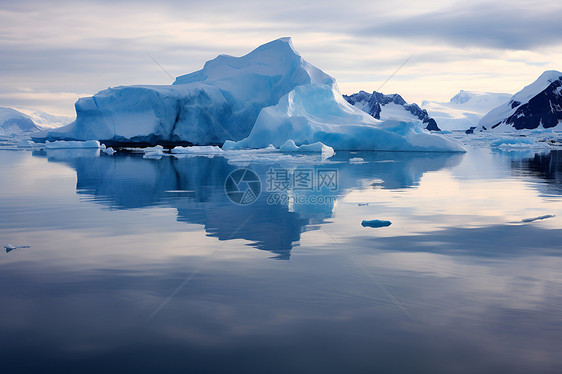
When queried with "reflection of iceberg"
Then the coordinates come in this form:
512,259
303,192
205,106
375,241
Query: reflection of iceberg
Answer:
195,187
545,166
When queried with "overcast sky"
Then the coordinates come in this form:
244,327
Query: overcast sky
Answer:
53,52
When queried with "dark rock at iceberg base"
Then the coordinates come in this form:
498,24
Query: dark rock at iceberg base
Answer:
373,104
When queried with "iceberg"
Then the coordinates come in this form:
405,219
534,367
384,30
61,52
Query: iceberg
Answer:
269,96
220,102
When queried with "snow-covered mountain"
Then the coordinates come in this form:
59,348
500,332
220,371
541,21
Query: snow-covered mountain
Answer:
269,96
538,105
464,110
388,107
44,119
13,122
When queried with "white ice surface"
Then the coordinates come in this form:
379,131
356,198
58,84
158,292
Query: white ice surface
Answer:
62,144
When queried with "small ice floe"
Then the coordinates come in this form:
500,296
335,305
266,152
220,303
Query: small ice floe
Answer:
362,204
356,160
513,142
155,152
375,223
318,147
539,218
203,150
10,247
110,151
63,144
376,182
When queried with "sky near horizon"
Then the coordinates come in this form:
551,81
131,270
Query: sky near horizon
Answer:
53,52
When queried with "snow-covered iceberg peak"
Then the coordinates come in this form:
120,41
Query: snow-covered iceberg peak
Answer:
277,61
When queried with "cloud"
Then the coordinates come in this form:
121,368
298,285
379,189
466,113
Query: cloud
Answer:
507,25
66,46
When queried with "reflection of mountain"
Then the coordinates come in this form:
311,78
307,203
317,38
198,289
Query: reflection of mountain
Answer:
195,187
546,166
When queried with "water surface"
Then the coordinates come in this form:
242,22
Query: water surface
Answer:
145,265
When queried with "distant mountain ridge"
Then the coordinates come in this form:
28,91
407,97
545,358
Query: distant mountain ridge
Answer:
13,122
393,106
537,105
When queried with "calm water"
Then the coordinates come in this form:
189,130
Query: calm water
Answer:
144,265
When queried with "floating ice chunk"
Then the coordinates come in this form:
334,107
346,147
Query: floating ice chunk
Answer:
110,151
10,247
155,152
318,147
63,144
513,142
356,160
362,204
196,150
375,223
539,218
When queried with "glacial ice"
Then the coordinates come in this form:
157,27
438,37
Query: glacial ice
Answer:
268,96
